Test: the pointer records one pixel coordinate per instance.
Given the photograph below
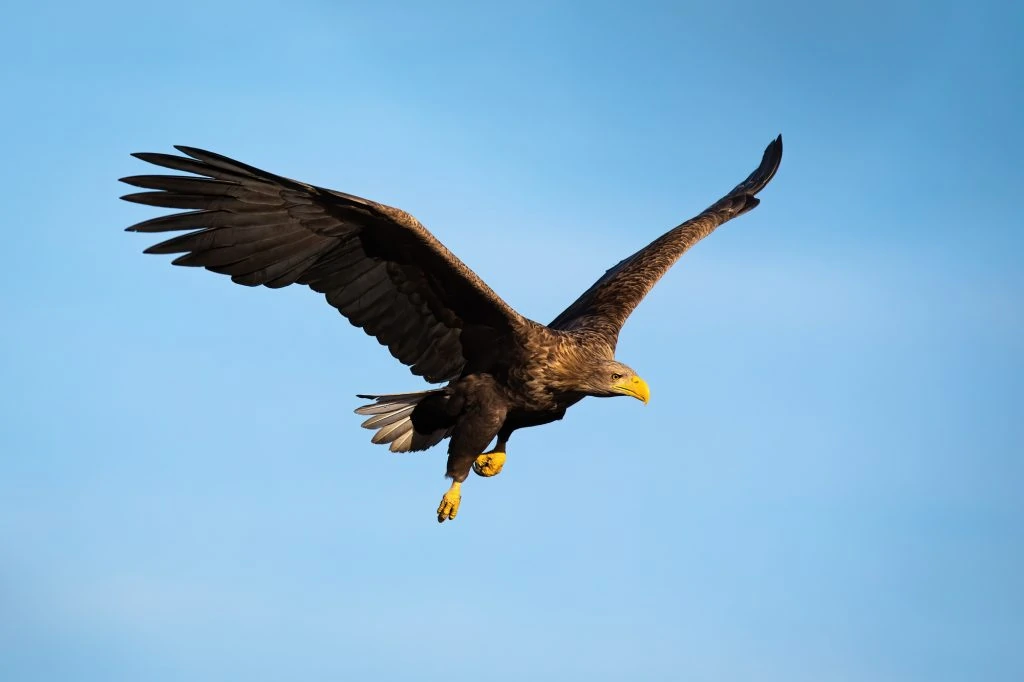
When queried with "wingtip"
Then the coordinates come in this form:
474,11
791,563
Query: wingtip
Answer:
197,153
152,157
762,175
770,162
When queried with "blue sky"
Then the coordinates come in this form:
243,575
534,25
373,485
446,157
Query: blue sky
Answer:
826,485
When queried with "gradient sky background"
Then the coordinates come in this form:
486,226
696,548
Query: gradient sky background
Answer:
826,486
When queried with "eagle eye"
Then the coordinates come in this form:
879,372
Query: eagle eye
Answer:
616,377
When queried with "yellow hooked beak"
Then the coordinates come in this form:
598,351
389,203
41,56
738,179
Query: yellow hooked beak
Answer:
634,386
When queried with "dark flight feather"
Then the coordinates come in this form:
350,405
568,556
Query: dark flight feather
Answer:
376,264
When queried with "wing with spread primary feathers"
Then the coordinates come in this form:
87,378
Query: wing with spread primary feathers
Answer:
604,307
376,264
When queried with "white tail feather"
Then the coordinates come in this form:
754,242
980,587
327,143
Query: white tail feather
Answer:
391,417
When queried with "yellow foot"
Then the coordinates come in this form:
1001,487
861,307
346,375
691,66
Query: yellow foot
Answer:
449,506
489,463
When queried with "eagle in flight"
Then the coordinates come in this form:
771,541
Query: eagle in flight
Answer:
390,276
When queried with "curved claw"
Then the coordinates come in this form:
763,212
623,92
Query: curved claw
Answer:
489,463
449,506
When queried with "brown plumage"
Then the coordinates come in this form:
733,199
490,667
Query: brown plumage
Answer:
388,275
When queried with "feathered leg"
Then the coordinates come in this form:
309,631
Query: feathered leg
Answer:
492,462
474,431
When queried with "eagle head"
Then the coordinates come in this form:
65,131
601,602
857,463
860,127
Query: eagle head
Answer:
611,378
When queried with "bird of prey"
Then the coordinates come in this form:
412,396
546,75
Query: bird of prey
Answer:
381,269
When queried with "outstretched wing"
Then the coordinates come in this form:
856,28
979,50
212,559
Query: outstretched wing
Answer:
376,264
604,307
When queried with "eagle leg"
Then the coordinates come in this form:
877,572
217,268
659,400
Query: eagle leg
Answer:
449,506
491,462
479,424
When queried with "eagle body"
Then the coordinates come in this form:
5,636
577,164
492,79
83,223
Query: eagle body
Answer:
385,272
532,386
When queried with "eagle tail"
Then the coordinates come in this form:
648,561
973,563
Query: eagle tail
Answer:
391,416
